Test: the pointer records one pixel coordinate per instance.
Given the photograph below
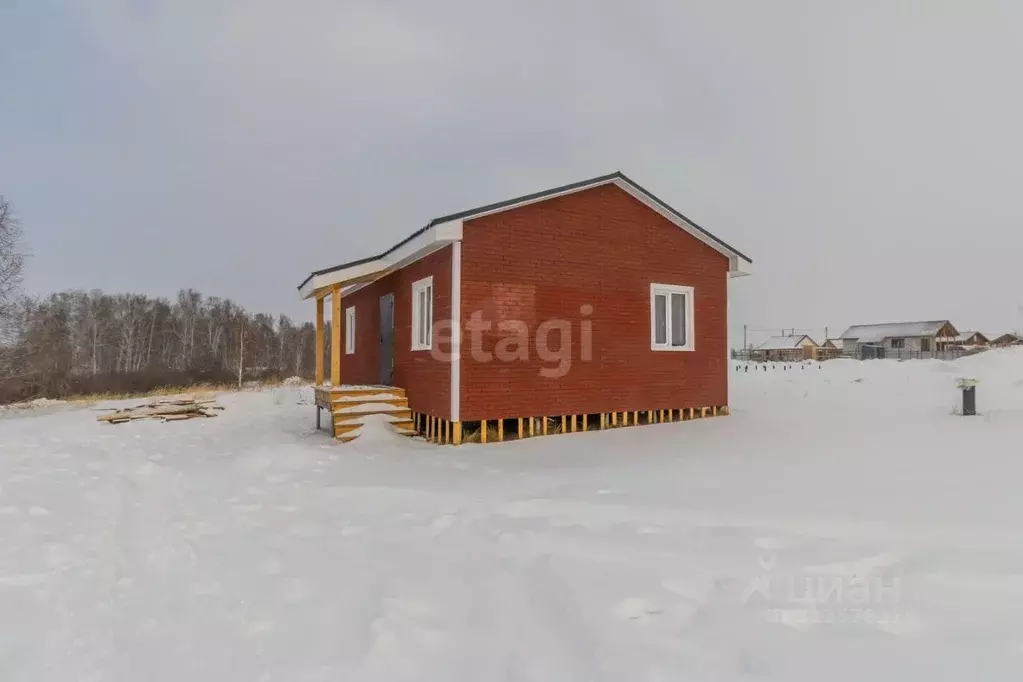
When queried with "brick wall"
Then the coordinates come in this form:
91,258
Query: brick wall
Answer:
598,248
426,380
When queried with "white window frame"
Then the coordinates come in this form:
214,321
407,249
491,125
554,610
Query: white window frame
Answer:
420,317
350,330
667,290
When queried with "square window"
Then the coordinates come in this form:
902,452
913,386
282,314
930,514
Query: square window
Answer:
422,314
671,317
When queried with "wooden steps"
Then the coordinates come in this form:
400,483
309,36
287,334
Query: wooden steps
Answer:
348,406
392,410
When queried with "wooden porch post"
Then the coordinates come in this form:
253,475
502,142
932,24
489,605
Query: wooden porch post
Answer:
319,341
335,336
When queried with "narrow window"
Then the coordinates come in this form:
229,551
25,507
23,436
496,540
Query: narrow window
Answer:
660,319
350,330
671,317
422,314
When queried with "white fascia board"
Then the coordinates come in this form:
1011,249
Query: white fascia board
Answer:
448,232
739,267
432,239
339,276
733,257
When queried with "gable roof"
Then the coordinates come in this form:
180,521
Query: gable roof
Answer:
835,343
870,333
785,342
965,336
617,178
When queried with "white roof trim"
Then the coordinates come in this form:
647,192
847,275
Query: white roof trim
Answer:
738,265
432,239
450,230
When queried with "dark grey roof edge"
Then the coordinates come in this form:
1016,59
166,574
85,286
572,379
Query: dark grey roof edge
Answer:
600,179
671,210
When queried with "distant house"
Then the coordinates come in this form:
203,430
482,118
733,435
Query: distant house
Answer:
787,348
1010,339
933,335
831,348
972,339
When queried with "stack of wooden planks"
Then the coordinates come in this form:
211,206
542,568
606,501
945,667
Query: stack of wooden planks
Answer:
166,409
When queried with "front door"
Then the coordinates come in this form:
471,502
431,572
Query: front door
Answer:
387,339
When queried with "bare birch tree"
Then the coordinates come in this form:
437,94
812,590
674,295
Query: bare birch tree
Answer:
12,260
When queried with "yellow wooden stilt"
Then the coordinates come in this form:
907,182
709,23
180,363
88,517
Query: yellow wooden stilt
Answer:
662,416
585,419
603,421
625,418
456,435
703,412
563,423
520,428
714,411
532,426
545,426
319,341
573,423
614,419
635,417
500,430
483,431
335,336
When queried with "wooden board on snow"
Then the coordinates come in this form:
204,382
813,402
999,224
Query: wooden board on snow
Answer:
165,409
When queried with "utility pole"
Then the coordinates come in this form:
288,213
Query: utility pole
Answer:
744,337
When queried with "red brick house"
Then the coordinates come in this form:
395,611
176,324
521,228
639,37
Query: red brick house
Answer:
594,301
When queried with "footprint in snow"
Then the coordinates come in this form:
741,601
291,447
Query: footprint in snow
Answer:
637,608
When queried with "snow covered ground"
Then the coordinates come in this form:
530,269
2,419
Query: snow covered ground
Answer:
841,524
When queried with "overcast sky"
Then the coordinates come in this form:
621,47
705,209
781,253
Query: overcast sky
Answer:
865,154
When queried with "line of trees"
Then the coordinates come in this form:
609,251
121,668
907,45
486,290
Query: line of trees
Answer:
86,342
78,342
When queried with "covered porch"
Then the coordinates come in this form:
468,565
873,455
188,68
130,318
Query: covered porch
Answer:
330,287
